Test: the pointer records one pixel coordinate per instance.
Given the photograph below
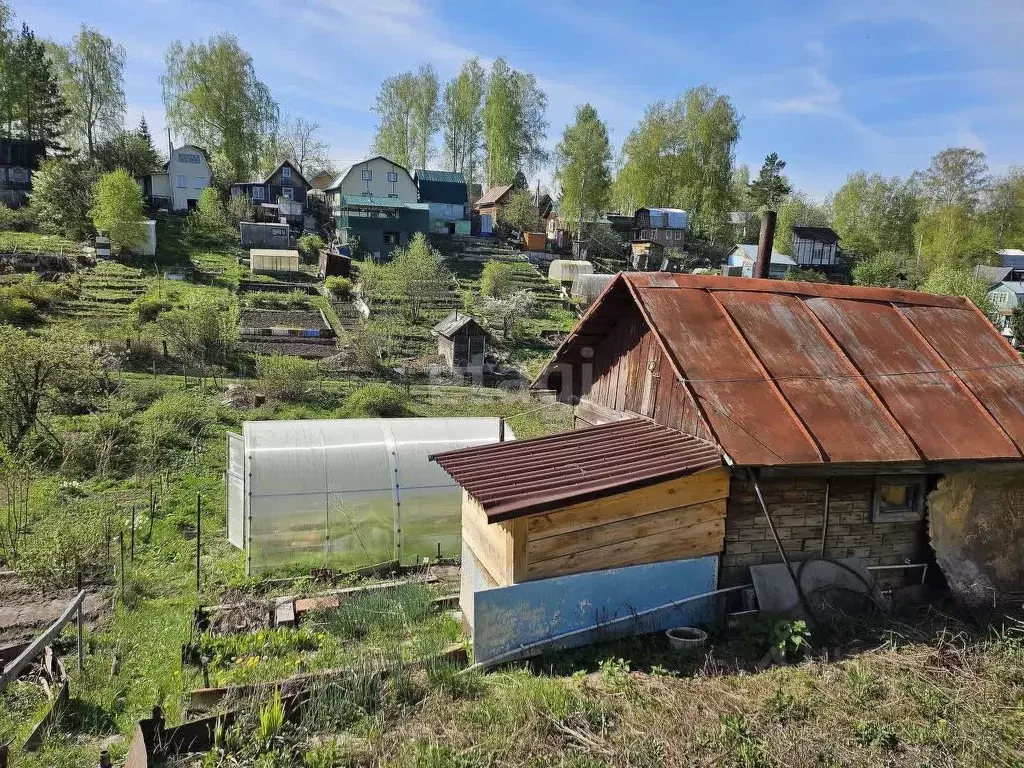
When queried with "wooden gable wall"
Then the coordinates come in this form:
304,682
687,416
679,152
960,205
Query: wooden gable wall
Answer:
633,375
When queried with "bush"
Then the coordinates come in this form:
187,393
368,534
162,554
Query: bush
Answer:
17,219
310,245
385,401
286,378
15,310
277,300
239,209
497,279
148,308
119,210
341,287
62,194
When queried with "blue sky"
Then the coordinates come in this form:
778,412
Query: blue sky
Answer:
833,86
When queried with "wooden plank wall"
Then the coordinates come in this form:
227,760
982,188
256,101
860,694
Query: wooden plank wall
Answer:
672,520
497,546
633,375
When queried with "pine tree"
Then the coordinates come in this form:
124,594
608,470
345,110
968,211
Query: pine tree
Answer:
39,110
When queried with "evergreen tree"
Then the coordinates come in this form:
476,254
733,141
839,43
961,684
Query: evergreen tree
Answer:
770,187
39,110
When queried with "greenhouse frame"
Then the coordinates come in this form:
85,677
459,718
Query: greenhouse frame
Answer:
346,493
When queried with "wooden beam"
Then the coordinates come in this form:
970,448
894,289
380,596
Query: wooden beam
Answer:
12,670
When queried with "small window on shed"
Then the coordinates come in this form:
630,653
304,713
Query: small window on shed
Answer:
286,173
392,176
898,498
367,175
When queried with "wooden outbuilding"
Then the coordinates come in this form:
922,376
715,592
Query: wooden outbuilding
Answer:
461,341
724,425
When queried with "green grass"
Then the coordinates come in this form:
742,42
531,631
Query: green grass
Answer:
33,241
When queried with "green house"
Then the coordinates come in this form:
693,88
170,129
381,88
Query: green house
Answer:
382,224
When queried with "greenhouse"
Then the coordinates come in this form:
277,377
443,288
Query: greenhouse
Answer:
345,493
566,270
586,288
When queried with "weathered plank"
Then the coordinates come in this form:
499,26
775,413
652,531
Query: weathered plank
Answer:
703,539
490,543
12,670
703,486
677,522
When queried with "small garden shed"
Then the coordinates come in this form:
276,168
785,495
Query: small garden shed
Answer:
461,341
270,260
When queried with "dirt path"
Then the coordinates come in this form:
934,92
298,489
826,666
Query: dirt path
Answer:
25,609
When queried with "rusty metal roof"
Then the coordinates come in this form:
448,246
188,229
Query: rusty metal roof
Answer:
528,476
803,373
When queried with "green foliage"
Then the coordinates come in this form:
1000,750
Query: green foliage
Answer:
31,106
271,722
789,640
375,343
204,328
1017,326
278,300
239,209
172,423
514,127
583,166
90,72
118,209
887,269
955,178
408,116
797,211
770,187
310,245
385,401
418,274
130,150
681,156
214,99
18,219
285,377
497,279
462,119
520,213
148,308
507,313
952,281
745,750
873,214
339,287
62,196
34,372
953,237
806,275
73,538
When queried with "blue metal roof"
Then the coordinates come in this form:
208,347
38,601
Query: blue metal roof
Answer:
448,177
777,258
677,218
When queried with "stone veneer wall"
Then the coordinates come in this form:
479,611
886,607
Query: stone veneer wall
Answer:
797,506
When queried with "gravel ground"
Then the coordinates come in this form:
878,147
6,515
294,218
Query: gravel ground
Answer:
272,318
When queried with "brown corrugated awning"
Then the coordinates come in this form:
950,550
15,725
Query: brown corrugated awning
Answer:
528,476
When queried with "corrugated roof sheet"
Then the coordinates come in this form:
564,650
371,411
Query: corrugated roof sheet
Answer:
528,476
750,251
673,218
822,234
587,288
494,194
451,324
381,202
992,275
805,373
444,177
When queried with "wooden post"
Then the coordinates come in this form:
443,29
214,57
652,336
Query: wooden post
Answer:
152,508
120,541
199,540
132,547
81,645
501,430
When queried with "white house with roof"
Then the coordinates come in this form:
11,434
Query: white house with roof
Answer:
1005,286
742,258
186,174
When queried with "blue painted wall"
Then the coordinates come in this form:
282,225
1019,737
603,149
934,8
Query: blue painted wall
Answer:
506,618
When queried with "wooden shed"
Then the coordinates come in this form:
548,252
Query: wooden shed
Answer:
461,341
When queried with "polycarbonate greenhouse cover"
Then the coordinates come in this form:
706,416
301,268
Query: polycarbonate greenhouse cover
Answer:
345,493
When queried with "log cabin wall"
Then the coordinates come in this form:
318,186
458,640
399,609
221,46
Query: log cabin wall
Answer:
633,376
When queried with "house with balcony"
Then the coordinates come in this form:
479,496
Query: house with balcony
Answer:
186,174
375,203
282,194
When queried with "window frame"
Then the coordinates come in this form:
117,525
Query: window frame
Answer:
286,173
366,174
258,197
200,182
910,514
180,181
287,193
392,177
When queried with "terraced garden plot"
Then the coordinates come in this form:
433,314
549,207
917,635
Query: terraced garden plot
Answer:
108,290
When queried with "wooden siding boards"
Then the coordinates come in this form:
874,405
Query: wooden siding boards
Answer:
675,519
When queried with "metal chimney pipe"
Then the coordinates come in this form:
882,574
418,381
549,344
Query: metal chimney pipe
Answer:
764,244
